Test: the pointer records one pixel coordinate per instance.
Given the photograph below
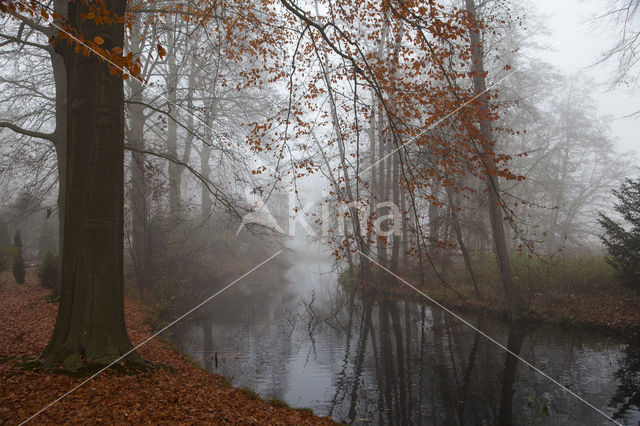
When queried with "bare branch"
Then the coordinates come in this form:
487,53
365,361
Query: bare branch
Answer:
31,133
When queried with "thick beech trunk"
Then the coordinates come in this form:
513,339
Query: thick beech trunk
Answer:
90,325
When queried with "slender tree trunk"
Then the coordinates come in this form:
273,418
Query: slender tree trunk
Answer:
352,201
463,246
554,244
382,190
172,137
60,137
178,169
395,183
373,188
434,217
139,205
493,185
205,169
405,230
90,325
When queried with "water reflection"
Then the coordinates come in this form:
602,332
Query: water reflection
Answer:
360,357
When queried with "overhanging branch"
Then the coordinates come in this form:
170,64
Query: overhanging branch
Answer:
30,133
211,187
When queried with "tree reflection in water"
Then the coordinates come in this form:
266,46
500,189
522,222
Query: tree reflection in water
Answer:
372,358
627,397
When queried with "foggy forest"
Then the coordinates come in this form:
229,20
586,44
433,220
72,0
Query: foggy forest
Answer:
319,211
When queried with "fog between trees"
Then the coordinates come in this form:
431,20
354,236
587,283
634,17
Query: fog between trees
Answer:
493,165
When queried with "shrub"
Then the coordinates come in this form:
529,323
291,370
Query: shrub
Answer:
47,272
4,259
18,261
573,273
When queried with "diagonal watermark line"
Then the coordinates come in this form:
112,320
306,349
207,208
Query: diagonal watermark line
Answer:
151,337
524,361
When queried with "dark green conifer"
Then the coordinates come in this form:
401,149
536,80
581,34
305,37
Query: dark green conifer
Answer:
622,241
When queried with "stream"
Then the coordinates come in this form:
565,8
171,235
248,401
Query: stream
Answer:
304,339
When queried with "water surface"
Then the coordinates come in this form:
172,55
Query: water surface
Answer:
300,337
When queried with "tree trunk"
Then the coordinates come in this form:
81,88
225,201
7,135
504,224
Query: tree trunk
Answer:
90,325
172,137
434,216
60,137
382,190
554,243
352,202
463,247
405,230
139,206
395,182
495,214
205,171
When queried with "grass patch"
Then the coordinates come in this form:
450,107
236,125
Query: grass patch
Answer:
228,381
249,393
278,403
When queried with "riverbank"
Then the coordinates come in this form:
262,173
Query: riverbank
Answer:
612,310
176,391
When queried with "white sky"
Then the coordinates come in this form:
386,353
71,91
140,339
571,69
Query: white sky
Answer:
575,45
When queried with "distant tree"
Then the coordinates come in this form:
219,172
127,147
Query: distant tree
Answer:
623,240
46,236
18,261
5,243
4,259
624,15
5,240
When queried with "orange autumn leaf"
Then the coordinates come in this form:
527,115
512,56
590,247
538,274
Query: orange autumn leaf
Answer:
161,51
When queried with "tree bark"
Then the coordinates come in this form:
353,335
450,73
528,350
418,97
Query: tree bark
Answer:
139,205
90,326
172,137
205,170
382,190
60,143
493,186
463,247
395,248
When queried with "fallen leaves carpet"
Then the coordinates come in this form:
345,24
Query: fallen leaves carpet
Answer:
182,393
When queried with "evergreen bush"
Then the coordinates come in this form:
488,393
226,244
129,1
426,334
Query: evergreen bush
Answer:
622,241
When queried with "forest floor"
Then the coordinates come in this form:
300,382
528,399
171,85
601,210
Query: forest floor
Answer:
180,392
614,311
